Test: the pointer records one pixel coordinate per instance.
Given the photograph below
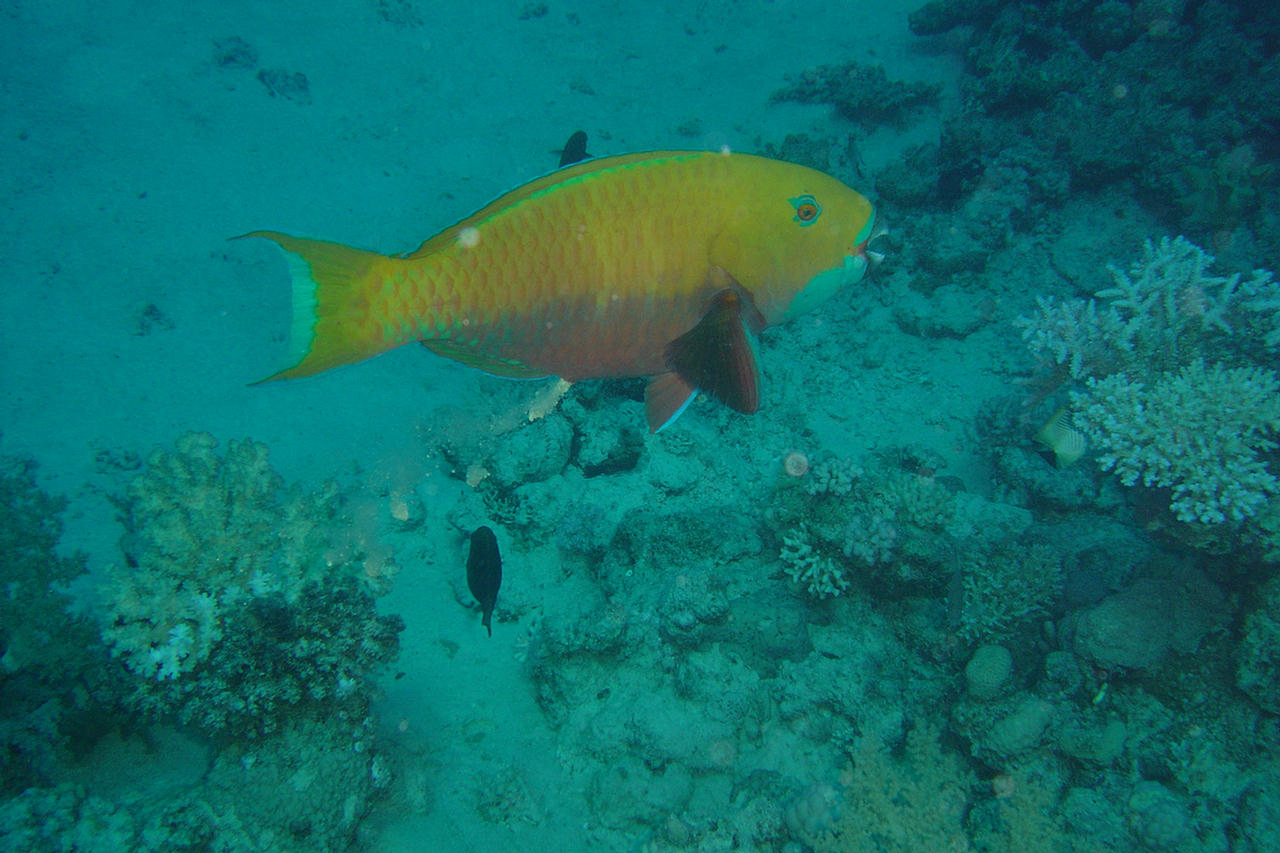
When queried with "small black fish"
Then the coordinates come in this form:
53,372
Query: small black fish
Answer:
484,572
575,150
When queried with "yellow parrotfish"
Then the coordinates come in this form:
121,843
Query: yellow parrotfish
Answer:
664,264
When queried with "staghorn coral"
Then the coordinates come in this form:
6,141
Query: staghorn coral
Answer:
1198,431
1164,308
241,601
1077,336
1005,587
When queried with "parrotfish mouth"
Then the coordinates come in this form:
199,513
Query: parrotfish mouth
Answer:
869,256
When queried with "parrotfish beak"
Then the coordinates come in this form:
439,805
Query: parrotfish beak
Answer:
868,256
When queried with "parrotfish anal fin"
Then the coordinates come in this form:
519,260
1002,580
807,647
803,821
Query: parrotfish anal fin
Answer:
665,398
718,355
469,356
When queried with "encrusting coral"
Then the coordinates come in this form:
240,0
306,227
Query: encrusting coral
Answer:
240,600
887,804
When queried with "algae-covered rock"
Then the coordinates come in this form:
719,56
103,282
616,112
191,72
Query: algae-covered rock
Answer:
988,671
1258,655
1021,730
1138,627
1158,818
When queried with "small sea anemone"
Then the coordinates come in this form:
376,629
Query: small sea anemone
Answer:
795,463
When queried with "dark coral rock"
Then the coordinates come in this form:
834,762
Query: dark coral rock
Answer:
939,16
913,180
861,93
291,85
766,627
234,52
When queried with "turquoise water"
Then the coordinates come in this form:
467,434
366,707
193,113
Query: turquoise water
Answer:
991,568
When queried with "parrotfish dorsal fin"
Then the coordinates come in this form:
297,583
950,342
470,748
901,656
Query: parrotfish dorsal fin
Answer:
718,355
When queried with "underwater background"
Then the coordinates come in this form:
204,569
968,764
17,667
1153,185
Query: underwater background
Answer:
993,568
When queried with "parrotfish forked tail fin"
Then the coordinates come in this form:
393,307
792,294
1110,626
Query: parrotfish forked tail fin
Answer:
331,321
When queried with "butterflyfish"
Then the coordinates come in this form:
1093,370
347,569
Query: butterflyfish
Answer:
1062,439
484,573
665,265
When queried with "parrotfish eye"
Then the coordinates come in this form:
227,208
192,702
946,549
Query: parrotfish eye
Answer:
807,209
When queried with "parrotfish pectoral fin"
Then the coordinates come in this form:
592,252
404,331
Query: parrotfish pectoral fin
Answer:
330,325
718,355
665,399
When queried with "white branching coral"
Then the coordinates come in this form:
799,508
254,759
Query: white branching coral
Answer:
1159,311
1078,335
1169,291
1197,431
805,564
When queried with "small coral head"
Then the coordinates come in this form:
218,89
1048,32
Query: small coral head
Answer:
795,464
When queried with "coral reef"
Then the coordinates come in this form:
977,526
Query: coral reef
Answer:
1173,396
889,804
1258,654
1198,432
1139,626
50,660
875,523
34,608
1167,100
1005,587
1225,193
861,93
303,791
243,604
1163,310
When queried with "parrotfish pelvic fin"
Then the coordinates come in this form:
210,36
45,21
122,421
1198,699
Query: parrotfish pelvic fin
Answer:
717,356
665,399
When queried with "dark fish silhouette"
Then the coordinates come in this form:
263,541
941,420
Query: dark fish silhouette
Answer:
484,572
575,150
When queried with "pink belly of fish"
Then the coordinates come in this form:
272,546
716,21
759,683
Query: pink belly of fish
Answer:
625,337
